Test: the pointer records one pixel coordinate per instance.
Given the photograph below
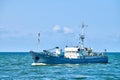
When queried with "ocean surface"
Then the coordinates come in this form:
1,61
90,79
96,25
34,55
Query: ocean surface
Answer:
17,66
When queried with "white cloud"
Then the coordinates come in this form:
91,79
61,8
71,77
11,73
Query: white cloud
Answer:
67,30
8,32
57,28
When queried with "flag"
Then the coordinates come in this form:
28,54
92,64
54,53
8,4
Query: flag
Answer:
83,25
38,37
38,34
38,40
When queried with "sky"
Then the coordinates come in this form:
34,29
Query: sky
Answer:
59,23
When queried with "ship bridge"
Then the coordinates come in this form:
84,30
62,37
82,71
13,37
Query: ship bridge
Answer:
71,52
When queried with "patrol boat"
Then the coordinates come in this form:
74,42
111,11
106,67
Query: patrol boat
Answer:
71,55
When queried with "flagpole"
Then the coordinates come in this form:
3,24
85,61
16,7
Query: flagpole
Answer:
38,42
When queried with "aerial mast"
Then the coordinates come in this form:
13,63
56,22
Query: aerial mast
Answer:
38,42
82,36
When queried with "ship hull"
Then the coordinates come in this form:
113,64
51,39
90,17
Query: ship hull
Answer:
50,59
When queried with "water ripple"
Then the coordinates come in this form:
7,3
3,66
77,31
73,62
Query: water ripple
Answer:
18,66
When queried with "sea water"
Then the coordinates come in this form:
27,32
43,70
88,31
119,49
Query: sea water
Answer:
17,66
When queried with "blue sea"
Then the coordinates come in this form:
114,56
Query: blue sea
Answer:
17,66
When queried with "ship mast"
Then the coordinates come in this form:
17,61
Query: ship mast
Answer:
82,36
38,42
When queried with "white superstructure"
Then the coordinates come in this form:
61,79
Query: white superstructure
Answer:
58,51
71,52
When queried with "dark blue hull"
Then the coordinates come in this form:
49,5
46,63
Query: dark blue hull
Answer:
50,59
